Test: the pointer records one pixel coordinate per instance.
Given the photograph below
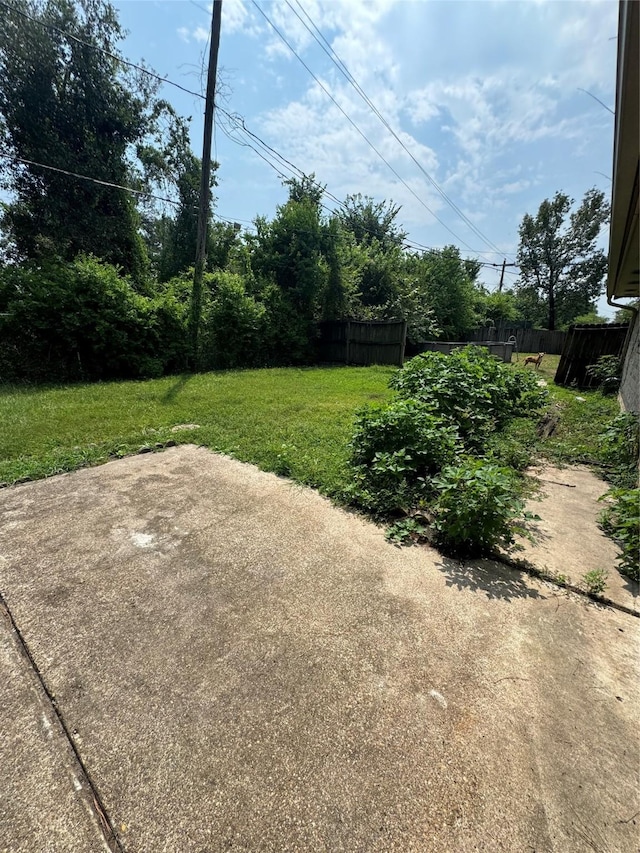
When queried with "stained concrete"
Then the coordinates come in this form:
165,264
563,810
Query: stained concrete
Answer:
242,666
568,539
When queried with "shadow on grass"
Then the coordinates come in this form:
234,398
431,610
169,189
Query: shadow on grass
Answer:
493,578
177,387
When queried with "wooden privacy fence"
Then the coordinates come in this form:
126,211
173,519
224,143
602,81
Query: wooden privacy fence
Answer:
584,346
527,340
363,342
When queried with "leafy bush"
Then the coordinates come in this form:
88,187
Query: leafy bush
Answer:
83,320
471,388
608,371
621,521
232,334
477,508
395,451
620,447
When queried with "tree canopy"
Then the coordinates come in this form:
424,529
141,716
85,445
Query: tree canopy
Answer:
72,107
561,268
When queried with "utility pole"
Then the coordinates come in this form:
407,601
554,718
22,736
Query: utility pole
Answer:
205,188
504,264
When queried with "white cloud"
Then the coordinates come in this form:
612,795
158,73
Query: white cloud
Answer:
483,95
200,34
235,16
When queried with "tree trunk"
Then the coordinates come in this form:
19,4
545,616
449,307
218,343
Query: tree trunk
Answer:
551,325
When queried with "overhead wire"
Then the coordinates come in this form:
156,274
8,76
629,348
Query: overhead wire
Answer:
359,131
238,122
341,66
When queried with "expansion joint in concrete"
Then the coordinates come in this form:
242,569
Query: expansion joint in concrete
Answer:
89,788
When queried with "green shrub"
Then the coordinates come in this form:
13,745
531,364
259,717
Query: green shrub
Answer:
232,328
621,521
477,509
83,320
608,371
471,388
394,453
619,449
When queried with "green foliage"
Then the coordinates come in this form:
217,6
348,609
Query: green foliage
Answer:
83,320
394,453
405,531
76,109
608,370
369,221
591,317
515,445
595,581
621,521
448,281
619,448
470,388
477,508
497,307
232,334
560,266
404,455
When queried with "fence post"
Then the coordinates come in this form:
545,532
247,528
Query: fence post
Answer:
346,344
403,342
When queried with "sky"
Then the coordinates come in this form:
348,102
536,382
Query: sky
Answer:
488,101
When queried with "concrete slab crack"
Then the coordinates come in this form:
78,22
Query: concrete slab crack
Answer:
84,780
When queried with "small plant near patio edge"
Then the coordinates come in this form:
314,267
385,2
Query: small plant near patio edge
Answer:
595,581
621,521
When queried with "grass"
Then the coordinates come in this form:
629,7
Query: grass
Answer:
296,422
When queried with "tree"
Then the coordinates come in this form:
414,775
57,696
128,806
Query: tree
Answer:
448,281
288,260
498,307
558,259
368,221
70,106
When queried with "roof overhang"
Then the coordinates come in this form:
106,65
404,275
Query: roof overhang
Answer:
624,241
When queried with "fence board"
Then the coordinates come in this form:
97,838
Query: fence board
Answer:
527,340
363,343
584,346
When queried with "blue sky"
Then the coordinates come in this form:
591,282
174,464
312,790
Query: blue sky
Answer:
484,94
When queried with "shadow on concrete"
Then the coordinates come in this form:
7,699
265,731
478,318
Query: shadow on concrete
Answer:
178,386
632,586
493,578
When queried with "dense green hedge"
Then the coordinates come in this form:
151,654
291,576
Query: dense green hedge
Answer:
83,320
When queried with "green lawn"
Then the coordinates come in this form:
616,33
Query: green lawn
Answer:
293,421
296,422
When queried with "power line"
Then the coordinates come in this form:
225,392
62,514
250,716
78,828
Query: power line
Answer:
340,65
358,130
87,178
100,49
602,104
238,121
